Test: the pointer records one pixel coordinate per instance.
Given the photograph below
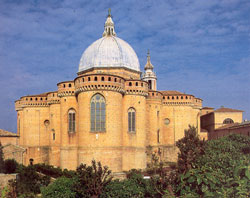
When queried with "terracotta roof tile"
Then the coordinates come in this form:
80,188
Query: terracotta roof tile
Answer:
4,133
207,108
228,126
223,109
172,93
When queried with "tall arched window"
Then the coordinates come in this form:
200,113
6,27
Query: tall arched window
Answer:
131,120
72,120
98,113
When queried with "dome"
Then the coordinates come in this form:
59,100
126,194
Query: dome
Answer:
109,51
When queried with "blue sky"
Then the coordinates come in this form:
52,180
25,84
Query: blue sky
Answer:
199,47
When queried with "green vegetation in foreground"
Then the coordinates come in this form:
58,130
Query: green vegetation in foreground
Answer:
216,168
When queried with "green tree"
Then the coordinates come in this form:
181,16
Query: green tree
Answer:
61,188
92,179
190,147
1,159
221,170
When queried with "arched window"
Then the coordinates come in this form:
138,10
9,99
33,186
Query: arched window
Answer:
72,120
228,121
131,120
98,113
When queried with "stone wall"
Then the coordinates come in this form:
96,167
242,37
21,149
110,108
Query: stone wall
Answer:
4,178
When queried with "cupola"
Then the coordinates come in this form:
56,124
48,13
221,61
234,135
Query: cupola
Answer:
149,74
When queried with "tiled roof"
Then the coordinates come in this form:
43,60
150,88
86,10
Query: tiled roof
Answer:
228,126
172,93
235,125
207,108
39,95
223,109
4,133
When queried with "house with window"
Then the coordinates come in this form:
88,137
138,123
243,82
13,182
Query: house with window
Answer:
111,112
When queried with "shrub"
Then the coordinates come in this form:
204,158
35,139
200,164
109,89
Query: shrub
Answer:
29,181
10,166
61,188
133,187
53,171
91,180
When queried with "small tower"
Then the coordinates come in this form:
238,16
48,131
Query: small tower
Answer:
149,74
109,27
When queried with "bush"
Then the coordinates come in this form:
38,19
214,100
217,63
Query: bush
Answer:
133,187
91,180
10,166
29,181
53,171
61,188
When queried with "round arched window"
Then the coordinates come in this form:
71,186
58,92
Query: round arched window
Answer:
228,121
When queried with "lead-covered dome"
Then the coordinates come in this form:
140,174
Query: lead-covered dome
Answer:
109,51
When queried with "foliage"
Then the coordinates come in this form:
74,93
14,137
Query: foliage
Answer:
154,157
190,147
1,159
162,181
53,171
133,187
222,169
61,188
91,180
29,181
10,166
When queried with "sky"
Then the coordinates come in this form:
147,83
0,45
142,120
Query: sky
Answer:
199,47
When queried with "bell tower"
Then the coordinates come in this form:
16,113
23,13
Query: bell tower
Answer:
149,75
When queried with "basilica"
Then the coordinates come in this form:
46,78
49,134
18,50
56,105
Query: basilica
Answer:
111,112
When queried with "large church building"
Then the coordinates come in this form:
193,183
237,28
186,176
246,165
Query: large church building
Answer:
111,112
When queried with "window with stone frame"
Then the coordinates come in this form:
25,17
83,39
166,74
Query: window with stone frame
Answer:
71,121
98,113
131,120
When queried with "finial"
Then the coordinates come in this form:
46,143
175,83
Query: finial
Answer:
148,64
109,12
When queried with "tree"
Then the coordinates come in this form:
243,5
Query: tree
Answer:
92,179
222,169
190,147
1,159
